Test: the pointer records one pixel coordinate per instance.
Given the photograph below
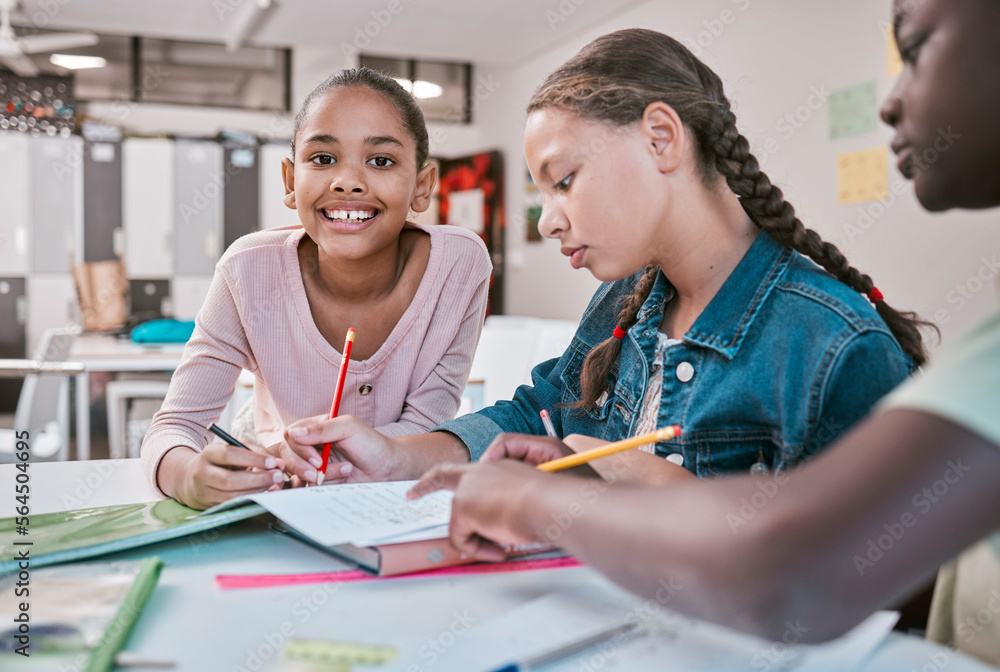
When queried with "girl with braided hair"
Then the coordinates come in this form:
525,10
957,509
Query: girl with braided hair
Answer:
721,312
866,523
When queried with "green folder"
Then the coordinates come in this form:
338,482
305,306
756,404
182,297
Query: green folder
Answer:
70,536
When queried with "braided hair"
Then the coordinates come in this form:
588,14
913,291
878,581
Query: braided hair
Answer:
613,79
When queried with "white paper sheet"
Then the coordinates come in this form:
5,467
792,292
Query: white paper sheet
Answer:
663,641
354,512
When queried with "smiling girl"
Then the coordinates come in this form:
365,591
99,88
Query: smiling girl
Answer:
282,300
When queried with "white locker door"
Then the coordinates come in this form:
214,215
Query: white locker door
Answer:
52,304
147,207
56,212
15,203
189,292
273,212
198,184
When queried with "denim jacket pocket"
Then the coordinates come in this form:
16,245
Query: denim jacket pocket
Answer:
570,377
720,453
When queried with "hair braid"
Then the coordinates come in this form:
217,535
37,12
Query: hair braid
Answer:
767,205
602,357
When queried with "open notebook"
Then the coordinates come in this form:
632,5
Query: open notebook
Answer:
362,514
372,525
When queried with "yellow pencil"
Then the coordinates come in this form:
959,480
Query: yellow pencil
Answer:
610,449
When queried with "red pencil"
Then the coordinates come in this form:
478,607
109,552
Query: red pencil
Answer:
335,408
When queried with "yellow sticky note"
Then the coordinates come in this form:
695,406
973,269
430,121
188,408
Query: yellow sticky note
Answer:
863,176
893,61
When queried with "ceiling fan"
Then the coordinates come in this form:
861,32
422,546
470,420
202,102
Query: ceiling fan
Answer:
14,50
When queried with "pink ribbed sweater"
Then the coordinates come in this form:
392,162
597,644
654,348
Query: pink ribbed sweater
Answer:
257,317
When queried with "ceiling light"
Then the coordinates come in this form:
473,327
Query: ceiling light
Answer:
74,62
421,89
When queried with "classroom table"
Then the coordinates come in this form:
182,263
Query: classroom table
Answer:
190,621
103,352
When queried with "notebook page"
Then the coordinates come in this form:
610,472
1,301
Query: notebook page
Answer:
342,514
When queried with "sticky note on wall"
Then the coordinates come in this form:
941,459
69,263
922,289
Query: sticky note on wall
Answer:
893,61
853,110
863,176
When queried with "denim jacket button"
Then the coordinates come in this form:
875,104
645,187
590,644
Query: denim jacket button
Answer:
685,372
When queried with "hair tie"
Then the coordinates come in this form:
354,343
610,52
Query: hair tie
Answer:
874,295
618,333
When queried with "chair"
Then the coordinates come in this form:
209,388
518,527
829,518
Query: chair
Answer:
122,434
511,346
125,435
43,407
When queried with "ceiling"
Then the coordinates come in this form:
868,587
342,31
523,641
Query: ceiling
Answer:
501,33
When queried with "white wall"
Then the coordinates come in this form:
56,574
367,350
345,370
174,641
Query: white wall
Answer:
771,54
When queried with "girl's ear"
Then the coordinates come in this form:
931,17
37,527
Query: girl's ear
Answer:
664,133
425,187
288,177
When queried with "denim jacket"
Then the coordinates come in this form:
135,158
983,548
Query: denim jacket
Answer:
782,361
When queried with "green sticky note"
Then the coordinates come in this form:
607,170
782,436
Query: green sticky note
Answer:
853,110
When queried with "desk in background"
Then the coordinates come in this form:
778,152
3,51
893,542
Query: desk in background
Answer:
100,352
190,621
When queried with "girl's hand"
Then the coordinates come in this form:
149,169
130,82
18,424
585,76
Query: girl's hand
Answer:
218,473
358,454
485,510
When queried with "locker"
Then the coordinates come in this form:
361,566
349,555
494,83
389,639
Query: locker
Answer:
52,303
189,294
273,212
150,299
147,207
15,203
241,202
102,199
198,199
13,312
56,216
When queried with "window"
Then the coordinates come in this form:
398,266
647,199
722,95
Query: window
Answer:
441,89
141,69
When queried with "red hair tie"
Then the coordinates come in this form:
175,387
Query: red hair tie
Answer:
618,333
874,295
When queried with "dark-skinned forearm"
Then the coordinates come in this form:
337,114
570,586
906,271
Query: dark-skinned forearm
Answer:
757,557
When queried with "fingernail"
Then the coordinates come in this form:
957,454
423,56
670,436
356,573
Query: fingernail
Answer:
316,462
278,477
298,431
310,475
270,463
346,469
465,556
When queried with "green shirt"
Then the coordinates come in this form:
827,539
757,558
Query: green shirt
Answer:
962,384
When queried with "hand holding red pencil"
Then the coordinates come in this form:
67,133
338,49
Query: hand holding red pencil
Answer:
337,394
